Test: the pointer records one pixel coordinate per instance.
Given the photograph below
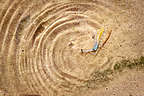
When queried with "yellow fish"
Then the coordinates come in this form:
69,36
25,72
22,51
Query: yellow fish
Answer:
100,34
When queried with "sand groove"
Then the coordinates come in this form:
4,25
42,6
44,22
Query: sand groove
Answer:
45,50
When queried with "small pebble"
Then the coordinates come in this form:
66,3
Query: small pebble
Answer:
70,44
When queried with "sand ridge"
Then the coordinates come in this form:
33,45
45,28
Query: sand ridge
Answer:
40,42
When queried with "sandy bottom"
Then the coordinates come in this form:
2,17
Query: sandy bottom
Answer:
129,83
41,42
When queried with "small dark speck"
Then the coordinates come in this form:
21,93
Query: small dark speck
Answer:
22,50
70,44
93,37
135,44
130,95
106,88
137,85
114,94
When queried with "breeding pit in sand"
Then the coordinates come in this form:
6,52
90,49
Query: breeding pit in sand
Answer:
41,42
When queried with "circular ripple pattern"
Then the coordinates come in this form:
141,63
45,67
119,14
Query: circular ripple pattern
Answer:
42,40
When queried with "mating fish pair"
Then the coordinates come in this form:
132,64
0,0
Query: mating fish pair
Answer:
97,41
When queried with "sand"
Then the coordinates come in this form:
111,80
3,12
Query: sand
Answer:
41,42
